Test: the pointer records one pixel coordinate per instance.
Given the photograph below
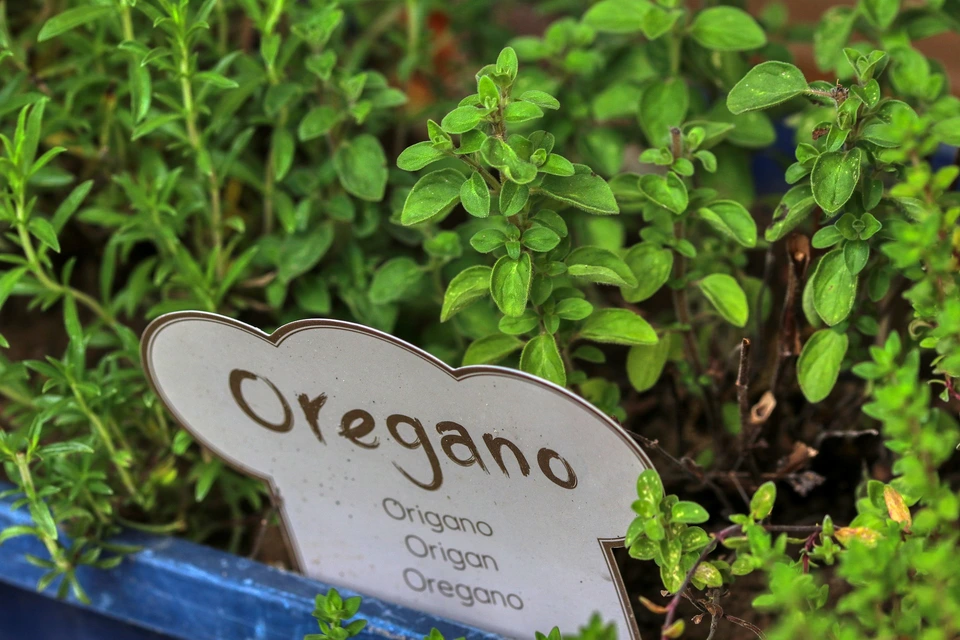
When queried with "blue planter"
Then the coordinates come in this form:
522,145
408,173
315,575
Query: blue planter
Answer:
177,589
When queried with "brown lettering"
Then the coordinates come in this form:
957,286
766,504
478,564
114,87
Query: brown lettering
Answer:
543,459
353,433
495,446
237,376
463,438
311,411
395,421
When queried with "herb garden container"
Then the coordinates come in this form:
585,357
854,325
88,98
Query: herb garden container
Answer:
177,589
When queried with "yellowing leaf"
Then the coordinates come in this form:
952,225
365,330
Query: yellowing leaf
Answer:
896,507
867,536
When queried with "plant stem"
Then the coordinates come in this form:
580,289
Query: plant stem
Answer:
486,175
707,550
743,386
26,479
196,142
33,263
104,434
719,537
126,21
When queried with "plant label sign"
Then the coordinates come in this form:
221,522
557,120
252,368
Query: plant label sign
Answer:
480,494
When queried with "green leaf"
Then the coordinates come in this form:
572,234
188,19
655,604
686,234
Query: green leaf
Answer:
301,252
487,240
617,16
9,280
540,98
762,502
618,326
672,578
434,194
40,513
44,232
834,288
541,357
727,297
659,21
832,35
694,538
663,106
463,119
855,255
688,513
517,112
394,280
573,309
835,177
667,191
766,85
709,575
140,91
540,239
586,191
794,207
513,197
475,196
491,349
881,12
601,266
500,155
15,531
507,62
651,266
645,364
870,226
466,288
69,205
320,120
557,166
948,131
216,79
727,29
819,364
64,448
510,284
731,219
649,493
282,148
71,19
151,125
362,167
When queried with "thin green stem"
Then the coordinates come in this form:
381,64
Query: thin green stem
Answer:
104,434
26,482
196,142
486,175
33,263
127,22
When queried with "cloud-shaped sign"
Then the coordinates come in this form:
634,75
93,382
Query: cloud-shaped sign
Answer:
480,494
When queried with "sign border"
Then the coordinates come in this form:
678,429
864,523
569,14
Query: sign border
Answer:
276,338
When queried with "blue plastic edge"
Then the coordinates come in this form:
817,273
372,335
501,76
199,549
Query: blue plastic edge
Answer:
180,589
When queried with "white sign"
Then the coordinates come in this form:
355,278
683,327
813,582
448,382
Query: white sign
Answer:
481,494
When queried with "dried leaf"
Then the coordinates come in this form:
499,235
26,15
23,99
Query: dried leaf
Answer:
652,606
896,507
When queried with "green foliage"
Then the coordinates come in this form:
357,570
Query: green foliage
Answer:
156,156
586,213
332,611
888,228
